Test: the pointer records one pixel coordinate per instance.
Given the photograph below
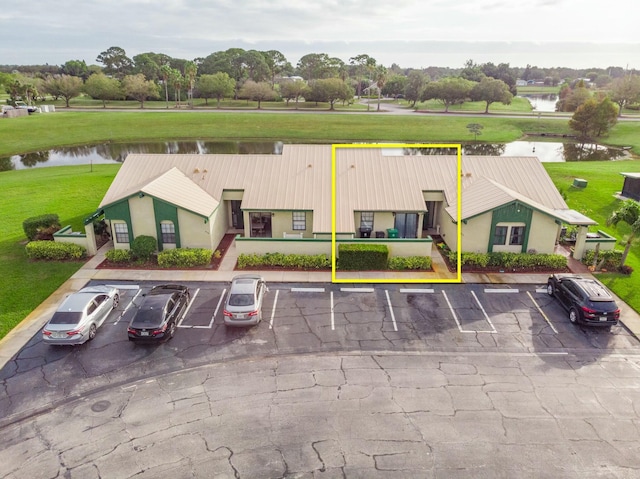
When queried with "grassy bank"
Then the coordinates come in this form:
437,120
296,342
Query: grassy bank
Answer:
40,132
597,202
73,192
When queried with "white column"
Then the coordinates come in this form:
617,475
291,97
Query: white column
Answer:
581,242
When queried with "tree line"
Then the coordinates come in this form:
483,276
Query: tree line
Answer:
317,77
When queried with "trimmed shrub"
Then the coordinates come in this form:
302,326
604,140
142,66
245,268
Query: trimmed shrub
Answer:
302,261
119,255
143,247
50,250
612,258
410,263
184,257
540,261
35,224
362,256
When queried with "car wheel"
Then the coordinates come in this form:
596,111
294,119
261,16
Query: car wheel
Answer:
116,301
92,332
550,290
172,330
573,315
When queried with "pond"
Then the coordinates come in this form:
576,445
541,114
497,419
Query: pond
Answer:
541,102
117,152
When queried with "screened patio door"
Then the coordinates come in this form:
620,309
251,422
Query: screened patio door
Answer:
407,225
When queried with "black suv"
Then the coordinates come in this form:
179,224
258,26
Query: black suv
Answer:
587,300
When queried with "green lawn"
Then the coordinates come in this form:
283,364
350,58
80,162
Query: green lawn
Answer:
597,202
75,192
518,105
44,131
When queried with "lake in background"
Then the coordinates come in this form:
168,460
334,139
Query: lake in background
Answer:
108,153
541,102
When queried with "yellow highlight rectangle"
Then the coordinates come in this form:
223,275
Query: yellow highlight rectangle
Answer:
334,147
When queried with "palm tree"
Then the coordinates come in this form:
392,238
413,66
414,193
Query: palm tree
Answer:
190,70
381,79
165,71
628,213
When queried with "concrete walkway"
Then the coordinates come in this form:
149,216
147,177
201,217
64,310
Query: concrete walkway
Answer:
23,332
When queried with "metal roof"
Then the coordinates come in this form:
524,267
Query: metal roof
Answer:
366,180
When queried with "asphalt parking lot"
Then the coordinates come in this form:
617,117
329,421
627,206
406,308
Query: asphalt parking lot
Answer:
309,318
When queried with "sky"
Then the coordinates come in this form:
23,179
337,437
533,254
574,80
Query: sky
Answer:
543,33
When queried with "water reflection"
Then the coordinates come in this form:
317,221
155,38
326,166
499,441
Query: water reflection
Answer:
116,152
545,151
542,102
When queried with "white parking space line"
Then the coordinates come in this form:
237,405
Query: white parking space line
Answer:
333,319
128,306
485,313
503,290
393,316
213,317
357,290
123,286
453,313
416,290
307,290
541,290
184,315
542,313
273,310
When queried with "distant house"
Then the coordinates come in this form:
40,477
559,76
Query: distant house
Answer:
284,203
521,82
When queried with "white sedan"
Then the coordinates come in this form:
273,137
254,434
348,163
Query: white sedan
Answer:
80,315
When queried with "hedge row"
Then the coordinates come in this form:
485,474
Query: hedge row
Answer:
32,226
303,261
511,260
410,263
50,250
612,258
184,257
362,256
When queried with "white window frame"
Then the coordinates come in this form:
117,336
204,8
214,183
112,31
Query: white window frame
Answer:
299,220
121,230
171,233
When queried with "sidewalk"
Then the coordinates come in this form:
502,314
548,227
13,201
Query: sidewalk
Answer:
22,333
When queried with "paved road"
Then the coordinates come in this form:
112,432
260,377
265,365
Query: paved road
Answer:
435,381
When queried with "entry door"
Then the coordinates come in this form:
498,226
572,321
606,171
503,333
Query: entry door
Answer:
237,218
429,222
407,225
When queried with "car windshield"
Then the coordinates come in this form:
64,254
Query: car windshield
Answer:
241,300
66,317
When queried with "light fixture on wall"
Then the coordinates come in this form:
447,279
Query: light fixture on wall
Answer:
141,195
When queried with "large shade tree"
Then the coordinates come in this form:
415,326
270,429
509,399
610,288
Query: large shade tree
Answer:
449,91
625,91
491,90
629,213
593,118
139,88
257,91
115,61
65,86
101,87
293,90
219,86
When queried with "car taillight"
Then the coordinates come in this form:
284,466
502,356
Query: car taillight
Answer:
73,333
227,313
253,313
46,333
131,330
160,330
589,311
616,314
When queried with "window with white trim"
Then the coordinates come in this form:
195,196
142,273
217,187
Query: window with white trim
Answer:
121,231
168,231
299,220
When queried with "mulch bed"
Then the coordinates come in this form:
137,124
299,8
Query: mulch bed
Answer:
223,247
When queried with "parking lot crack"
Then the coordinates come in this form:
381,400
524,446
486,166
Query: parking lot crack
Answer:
236,473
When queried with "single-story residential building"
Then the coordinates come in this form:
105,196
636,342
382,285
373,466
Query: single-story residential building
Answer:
284,202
